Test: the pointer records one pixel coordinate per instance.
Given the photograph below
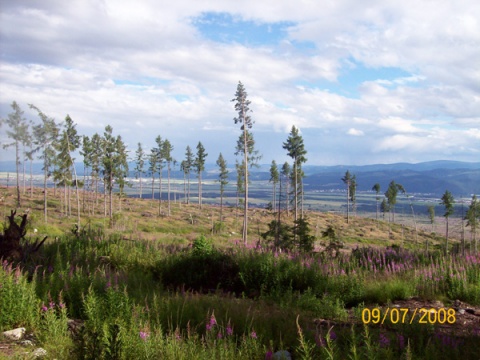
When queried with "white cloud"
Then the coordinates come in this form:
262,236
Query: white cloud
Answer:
145,67
355,132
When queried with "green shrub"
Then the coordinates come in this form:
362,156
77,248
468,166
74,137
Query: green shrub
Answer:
19,305
201,246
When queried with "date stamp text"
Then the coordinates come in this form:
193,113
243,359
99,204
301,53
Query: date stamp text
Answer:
408,316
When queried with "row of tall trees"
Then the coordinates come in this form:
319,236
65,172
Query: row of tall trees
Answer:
55,143
295,148
105,157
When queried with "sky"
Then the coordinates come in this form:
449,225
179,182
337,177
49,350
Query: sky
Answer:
365,81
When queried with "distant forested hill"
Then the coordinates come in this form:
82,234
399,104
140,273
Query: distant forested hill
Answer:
434,177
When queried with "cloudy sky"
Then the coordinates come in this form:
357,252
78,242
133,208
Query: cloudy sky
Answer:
366,81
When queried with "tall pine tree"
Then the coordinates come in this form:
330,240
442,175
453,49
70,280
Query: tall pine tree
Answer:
296,150
139,166
17,130
167,149
245,145
199,168
274,178
45,136
222,179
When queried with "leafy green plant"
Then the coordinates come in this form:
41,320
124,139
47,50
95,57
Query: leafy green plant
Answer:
202,246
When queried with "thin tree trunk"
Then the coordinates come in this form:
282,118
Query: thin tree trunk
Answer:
221,206
274,199
17,162
295,191
446,238
84,187
168,189
200,189
24,172
287,189
160,194
104,199
348,201
65,198
188,194
78,197
110,191
153,186
45,193
31,178
301,199
184,188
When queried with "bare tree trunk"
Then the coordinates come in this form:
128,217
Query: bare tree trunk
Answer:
104,199
168,189
78,197
31,178
153,186
45,194
17,163
24,172
446,238
110,192
188,194
184,188
65,201
160,194
200,189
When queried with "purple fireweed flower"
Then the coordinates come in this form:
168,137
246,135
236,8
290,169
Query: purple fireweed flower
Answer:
333,336
213,321
208,327
61,305
401,341
44,308
384,341
253,334
51,305
229,330
143,335
269,355
219,335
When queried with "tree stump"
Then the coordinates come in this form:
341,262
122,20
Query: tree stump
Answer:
11,247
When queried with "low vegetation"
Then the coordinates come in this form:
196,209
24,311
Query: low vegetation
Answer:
183,291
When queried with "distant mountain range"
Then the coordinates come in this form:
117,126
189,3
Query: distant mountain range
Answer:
433,177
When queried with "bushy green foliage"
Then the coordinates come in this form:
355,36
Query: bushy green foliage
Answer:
305,241
19,305
201,246
279,234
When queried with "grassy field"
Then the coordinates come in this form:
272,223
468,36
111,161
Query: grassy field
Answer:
148,285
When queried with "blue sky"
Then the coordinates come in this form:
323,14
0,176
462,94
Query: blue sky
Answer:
366,82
